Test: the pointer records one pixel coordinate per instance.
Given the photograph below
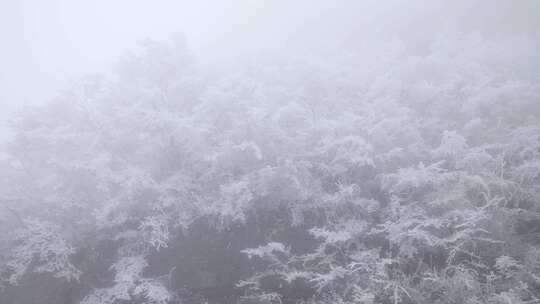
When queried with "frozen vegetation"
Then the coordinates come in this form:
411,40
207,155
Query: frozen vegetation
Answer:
399,169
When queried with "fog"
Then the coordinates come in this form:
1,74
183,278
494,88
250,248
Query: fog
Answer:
48,44
249,151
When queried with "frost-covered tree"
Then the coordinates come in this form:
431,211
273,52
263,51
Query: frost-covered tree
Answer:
409,177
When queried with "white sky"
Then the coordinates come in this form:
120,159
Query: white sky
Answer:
45,44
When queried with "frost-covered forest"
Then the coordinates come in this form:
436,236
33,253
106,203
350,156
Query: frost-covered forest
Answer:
396,169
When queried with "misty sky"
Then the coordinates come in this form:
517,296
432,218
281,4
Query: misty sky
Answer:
47,44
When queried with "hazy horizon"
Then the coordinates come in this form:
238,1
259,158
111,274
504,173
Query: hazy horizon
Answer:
46,45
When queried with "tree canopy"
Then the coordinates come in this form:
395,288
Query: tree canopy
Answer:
396,178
